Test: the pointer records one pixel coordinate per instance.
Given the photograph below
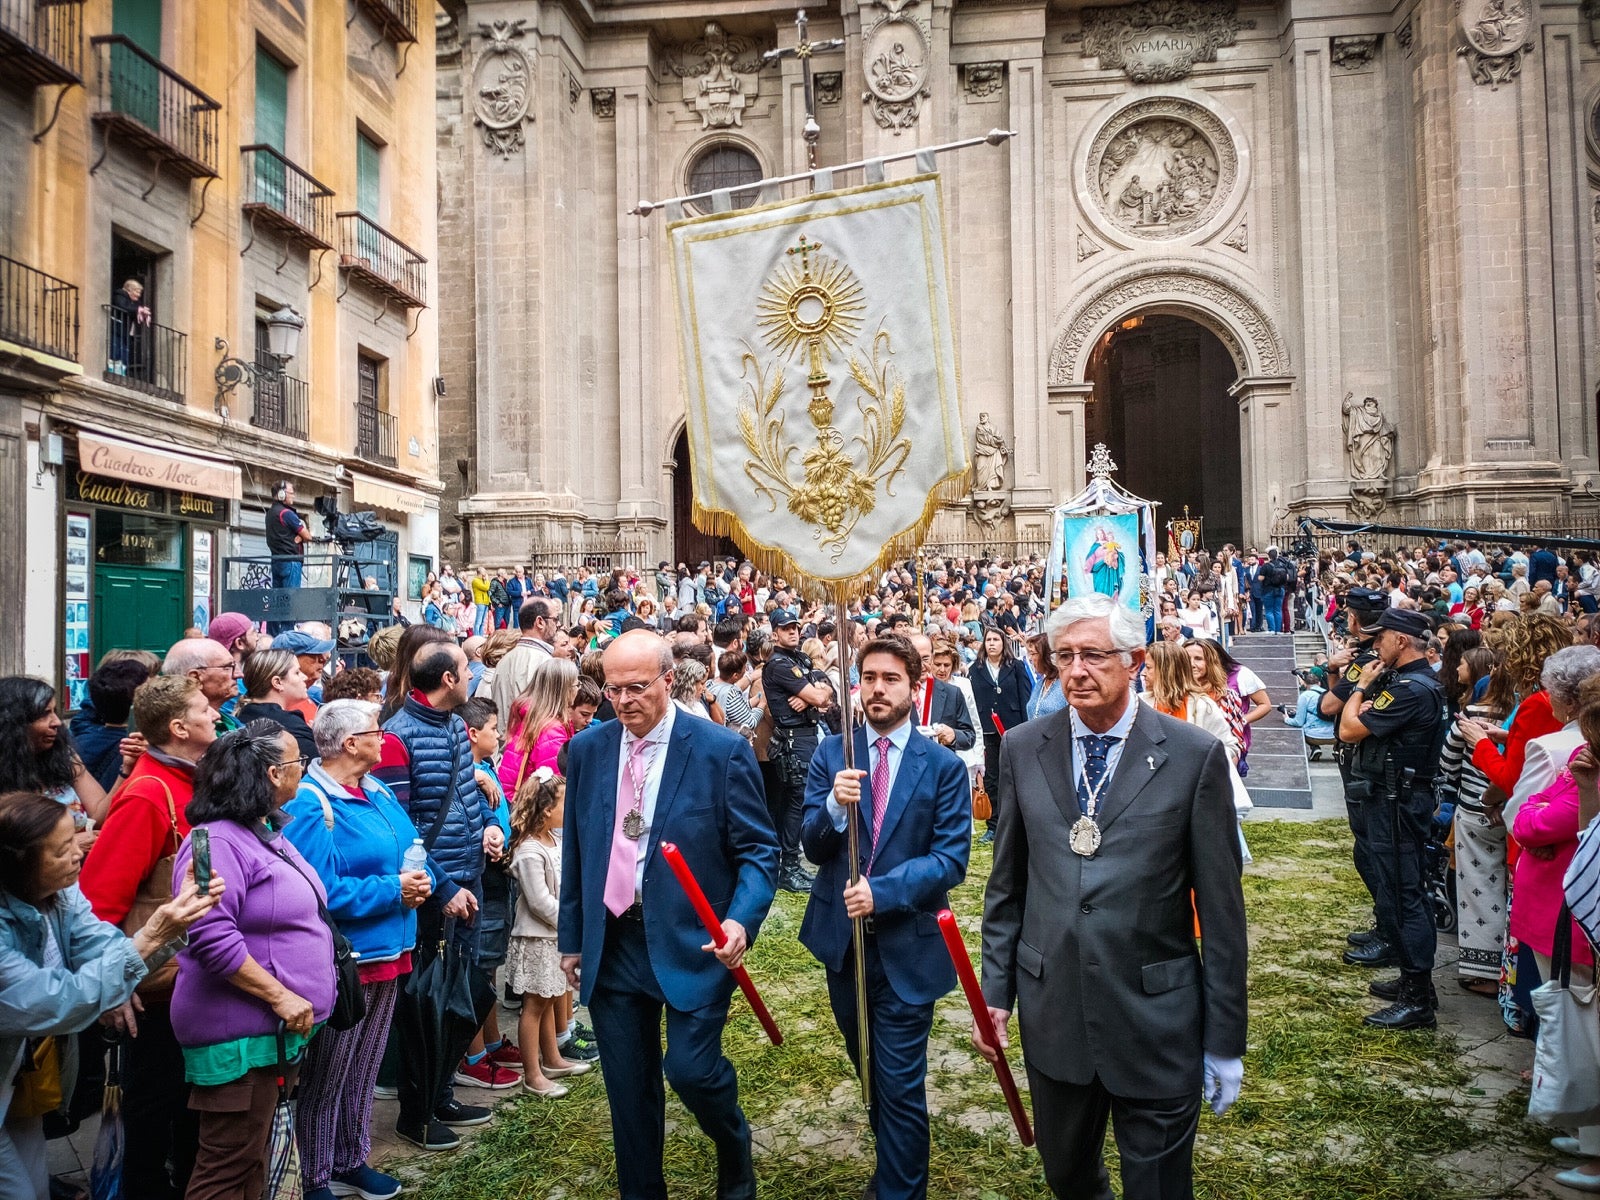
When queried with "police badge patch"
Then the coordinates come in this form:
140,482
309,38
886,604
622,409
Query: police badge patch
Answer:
1352,673
1385,698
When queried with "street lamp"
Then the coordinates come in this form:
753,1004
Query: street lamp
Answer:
283,342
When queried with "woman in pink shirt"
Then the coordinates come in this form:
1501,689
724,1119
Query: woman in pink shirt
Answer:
538,723
1546,827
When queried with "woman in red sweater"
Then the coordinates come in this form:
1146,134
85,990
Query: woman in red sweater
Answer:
144,826
1524,644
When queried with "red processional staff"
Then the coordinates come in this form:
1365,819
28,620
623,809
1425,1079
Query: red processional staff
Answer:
981,1021
708,918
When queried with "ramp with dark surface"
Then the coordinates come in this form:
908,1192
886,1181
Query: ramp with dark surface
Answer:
1278,776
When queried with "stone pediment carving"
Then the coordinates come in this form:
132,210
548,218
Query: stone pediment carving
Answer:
1496,39
1355,52
502,85
1158,41
720,74
1162,168
894,60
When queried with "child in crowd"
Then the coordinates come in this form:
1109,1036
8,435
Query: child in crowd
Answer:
492,1061
533,962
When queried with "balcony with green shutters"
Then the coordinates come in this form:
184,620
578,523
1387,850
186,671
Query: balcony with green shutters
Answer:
142,103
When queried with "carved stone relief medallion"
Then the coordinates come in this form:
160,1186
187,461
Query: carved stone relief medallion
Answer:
1162,168
502,86
720,76
1496,38
895,65
1158,41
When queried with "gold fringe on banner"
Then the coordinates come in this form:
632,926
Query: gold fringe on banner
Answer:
775,561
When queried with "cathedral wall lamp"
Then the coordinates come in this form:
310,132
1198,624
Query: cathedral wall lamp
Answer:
283,343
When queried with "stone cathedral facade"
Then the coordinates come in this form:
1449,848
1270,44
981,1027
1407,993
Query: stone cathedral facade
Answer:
1302,256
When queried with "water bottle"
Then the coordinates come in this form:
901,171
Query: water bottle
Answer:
416,858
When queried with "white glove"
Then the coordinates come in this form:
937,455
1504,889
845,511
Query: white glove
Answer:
1222,1079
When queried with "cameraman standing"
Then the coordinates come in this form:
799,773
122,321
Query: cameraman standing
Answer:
286,535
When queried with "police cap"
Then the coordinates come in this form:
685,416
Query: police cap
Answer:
1368,601
1407,621
784,616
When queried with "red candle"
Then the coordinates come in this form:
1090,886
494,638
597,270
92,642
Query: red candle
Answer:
980,1014
708,918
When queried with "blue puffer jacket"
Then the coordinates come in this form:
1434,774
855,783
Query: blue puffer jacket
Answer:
356,848
435,740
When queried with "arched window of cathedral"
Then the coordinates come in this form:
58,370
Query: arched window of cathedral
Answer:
724,166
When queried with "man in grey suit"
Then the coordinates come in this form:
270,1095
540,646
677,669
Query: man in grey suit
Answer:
1110,814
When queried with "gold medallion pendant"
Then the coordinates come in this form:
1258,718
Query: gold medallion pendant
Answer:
633,824
1085,837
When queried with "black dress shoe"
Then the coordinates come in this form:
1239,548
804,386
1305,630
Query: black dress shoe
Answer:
1377,954
1411,1009
1389,989
1363,937
870,1192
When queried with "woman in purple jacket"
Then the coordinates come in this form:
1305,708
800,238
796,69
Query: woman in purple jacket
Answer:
261,959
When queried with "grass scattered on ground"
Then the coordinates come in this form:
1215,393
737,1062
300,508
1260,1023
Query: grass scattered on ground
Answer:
1330,1111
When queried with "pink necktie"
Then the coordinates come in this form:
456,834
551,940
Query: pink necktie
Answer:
880,793
624,850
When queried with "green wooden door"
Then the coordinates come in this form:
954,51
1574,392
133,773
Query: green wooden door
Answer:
272,128
137,609
135,83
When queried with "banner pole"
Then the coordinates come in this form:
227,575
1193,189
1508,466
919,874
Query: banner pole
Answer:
841,605
993,138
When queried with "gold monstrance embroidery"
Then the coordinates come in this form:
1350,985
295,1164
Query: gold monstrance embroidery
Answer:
818,304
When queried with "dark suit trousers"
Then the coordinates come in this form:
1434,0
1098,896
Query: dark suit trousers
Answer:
899,1033
626,1008
1155,1139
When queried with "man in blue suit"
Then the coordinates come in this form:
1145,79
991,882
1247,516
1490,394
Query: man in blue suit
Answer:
915,838
629,940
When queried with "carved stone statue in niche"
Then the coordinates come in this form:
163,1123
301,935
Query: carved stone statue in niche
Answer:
1369,439
1157,172
990,453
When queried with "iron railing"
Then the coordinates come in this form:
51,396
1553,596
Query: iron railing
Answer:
599,552
374,255
152,107
375,435
38,311
41,41
396,18
282,402
997,550
279,194
143,355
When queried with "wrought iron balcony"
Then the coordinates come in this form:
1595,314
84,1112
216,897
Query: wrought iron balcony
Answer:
282,403
38,311
284,198
375,434
396,18
382,261
145,356
145,104
41,41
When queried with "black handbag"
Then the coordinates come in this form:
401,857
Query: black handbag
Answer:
349,1003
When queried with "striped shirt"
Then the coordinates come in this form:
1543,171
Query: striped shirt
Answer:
735,707
1458,781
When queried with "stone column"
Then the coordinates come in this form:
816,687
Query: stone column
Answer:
1062,431
640,248
1035,483
1265,402
1319,269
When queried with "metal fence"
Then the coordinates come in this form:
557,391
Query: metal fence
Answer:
992,551
49,36
1498,529
599,553
38,310
151,104
143,355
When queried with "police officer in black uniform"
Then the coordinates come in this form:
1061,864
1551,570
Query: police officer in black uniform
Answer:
797,694
1363,606
1394,719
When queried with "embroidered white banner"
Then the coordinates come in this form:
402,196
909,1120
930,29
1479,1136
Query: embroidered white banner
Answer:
820,378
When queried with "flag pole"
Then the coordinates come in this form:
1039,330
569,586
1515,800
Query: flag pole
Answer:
841,606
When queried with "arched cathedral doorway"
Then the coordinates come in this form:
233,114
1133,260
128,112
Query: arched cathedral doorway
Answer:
691,545
1161,405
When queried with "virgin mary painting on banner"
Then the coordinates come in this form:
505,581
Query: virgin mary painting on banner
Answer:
1101,554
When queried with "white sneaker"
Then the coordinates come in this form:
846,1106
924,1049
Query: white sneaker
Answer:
1578,1181
1566,1145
